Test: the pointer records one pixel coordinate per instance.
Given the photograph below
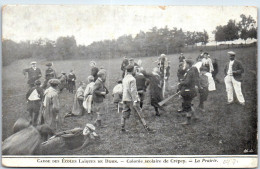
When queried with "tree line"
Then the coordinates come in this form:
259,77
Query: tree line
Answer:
150,43
246,28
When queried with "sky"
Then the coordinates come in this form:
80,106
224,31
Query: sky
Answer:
99,22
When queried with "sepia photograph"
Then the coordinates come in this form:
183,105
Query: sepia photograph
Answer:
129,86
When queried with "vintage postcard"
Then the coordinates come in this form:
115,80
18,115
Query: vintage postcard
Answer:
129,86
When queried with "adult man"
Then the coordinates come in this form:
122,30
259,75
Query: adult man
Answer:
34,74
130,99
94,70
99,93
233,77
51,104
34,98
187,89
181,58
49,74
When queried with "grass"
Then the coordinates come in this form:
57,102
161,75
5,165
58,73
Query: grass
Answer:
221,130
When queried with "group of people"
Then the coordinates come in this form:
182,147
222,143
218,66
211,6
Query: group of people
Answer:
135,85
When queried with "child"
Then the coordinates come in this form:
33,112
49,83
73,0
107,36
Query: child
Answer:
34,98
71,81
99,93
203,89
78,100
88,94
117,93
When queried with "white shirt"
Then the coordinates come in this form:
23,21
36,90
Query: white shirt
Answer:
230,71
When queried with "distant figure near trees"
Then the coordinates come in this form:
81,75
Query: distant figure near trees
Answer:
71,81
181,58
34,74
49,74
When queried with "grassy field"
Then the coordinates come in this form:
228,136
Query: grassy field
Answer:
221,129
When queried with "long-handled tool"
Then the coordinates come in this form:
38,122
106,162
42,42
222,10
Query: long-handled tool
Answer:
169,98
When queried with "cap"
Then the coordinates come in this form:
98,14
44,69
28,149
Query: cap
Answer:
37,82
189,61
54,81
119,81
49,64
231,53
163,55
91,78
131,59
92,62
33,62
91,126
130,68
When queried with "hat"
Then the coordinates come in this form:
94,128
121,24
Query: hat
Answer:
37,82
92,62
33,62
163,55
131,59
91,78
54,81
189,61
231,53
130,68
119,81
91,126
49,64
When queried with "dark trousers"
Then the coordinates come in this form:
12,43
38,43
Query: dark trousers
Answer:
141,96
33,107
203,96
71,86
187,96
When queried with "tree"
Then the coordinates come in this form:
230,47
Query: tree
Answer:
66,47
231,30
247,27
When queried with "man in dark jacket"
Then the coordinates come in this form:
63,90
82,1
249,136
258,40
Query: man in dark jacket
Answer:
34,74
187,89
49,74
233,77
99,93
34,99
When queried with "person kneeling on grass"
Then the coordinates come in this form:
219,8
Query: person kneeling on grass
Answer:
130,99
203,90
26,139
99,93
88,95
